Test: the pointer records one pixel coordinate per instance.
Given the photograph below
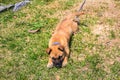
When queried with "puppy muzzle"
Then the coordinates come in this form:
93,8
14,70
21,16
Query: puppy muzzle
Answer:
58,64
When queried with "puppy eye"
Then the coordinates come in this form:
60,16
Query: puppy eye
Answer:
59,57
53,58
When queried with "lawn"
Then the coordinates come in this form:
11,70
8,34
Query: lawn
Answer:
95,49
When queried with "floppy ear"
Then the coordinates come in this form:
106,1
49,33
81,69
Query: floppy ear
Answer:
61,48
48,50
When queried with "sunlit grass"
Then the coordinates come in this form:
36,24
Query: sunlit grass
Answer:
23,56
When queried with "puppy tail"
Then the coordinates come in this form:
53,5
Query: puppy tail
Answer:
78,13
81,7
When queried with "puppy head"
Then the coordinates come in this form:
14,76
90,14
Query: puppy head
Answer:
57,54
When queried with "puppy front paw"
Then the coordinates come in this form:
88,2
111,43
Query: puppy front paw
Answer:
64,63
49,65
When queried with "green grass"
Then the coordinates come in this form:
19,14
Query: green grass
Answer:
23,56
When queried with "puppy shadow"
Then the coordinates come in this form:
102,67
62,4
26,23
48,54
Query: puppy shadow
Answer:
83,24
71,39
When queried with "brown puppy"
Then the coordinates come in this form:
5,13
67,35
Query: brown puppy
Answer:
59,43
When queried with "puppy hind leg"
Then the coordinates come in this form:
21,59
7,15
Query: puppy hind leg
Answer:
75,28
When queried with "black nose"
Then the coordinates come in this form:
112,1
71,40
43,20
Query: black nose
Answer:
58,65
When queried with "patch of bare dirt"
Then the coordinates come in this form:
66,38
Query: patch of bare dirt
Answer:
108,10
60,14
